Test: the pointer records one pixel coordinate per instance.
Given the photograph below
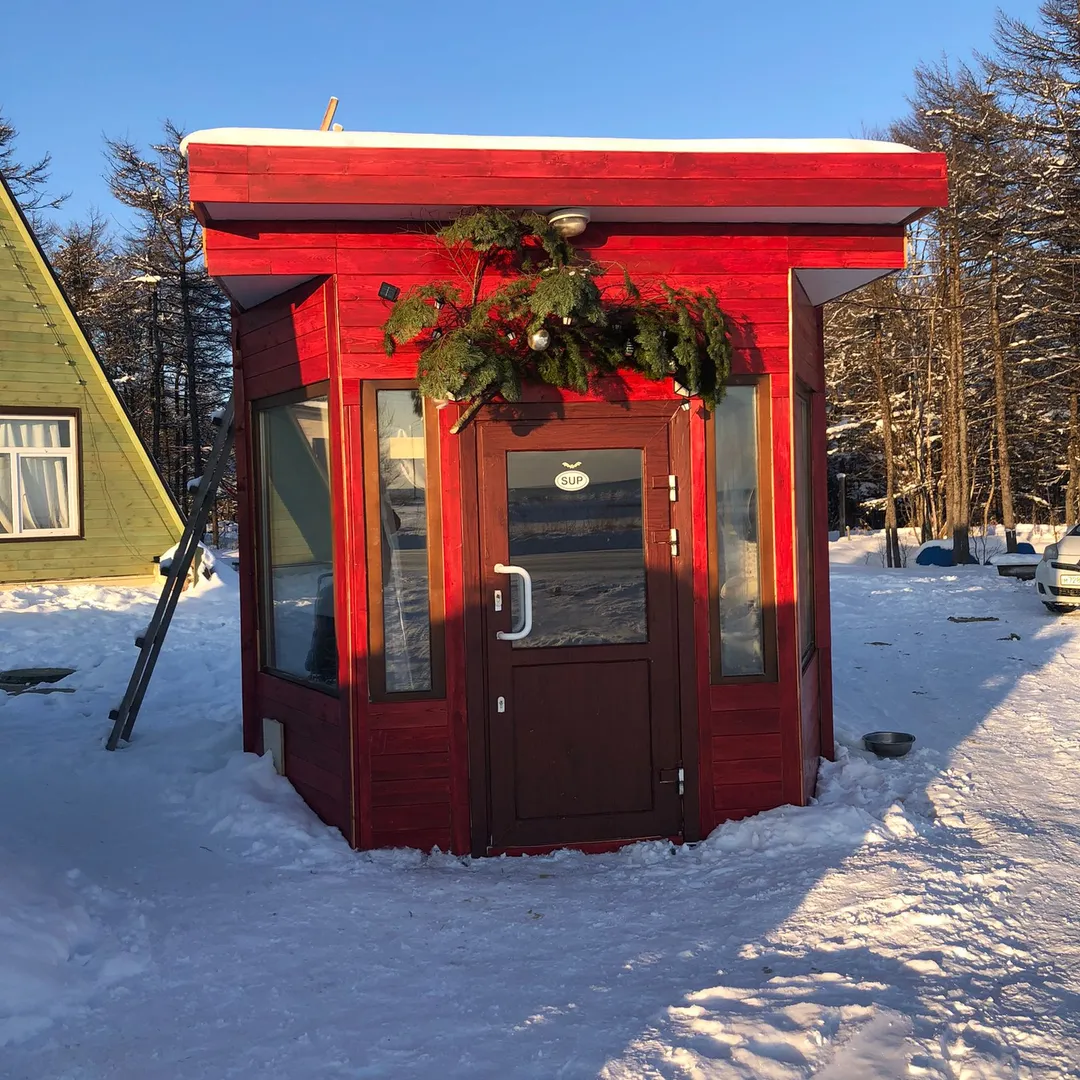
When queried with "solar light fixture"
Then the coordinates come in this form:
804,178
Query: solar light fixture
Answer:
388,291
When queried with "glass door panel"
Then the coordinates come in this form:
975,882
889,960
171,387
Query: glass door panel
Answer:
575,523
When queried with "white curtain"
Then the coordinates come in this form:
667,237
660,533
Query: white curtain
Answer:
7,523
44,492
36,434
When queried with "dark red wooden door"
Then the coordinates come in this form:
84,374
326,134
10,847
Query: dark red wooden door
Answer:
583,730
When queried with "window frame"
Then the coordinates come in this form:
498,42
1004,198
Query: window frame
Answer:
369,419
73,454
802,459
262,549
766,547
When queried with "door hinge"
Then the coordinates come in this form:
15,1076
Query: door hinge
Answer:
673,539
673,487
674,776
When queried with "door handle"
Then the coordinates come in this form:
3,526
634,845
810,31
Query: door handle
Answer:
526,603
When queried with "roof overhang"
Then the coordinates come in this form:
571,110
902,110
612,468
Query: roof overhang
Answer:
267,175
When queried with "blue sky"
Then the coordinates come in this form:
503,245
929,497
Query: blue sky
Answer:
674,68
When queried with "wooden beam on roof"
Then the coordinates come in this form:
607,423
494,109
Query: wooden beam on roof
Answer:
328,116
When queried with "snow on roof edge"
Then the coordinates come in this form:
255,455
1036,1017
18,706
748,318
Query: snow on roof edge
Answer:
239,136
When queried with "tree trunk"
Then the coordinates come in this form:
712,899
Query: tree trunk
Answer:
892,543
1072,490
1001,428
157,375
956,462
190,384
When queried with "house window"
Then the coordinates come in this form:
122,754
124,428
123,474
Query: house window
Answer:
296,541
804,523
39,476
740,541
404,548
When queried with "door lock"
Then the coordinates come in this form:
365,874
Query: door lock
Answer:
500,704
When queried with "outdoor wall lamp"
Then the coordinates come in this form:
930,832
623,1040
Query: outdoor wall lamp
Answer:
570,221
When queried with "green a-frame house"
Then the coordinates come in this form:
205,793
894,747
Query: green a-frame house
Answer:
80,498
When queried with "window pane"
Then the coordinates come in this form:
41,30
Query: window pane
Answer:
403,532
738,548
582,545
7,520
297,541
45,502
35,434
804,521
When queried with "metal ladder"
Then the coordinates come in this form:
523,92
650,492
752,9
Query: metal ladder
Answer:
150,641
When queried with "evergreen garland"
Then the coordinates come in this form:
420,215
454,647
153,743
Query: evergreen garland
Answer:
477,343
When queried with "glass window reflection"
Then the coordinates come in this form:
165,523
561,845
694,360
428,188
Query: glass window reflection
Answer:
738,544
297,548
575,523
404,542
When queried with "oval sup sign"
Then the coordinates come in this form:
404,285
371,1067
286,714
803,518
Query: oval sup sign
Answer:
571,478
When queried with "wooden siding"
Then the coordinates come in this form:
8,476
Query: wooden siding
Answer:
317,725
815,683
127,517
409,760
332,176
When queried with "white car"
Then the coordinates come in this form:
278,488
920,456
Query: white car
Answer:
1058,575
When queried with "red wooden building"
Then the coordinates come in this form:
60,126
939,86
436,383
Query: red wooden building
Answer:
676,668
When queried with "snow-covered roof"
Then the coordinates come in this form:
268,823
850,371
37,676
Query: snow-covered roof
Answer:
239,136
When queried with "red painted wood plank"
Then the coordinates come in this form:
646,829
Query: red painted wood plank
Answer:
732,747
700,645
789,665
351,501
247,584
350,696
728,286
410,766
747,771
225,263
290,377
749,796
738,697
431,189
405,818
395,714
410,740
330,784
333,811
305,700
309,347
745,722
544,163
372,313
207,157
423,839
449,466
410,792
281,331
210,187
603,241
372,366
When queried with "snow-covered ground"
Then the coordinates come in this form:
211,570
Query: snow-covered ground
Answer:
174,911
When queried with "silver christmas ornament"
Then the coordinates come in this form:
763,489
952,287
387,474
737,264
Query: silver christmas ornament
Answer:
539,340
